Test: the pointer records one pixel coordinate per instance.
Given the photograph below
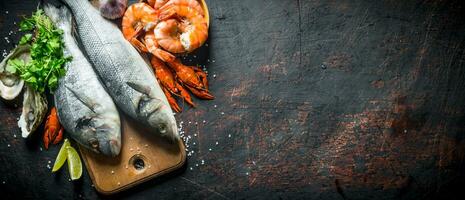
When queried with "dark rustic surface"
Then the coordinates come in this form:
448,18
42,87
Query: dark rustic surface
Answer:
321,100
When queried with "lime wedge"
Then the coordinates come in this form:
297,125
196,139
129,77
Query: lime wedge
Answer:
74,163
61,157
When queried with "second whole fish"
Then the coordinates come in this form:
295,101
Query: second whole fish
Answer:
126,75
85,109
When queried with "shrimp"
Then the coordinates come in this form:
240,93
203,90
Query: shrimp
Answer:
139,17
152,46
194,4
187,35
167,35
159,3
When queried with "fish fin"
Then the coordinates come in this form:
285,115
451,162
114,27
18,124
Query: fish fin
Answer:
140,88
83,99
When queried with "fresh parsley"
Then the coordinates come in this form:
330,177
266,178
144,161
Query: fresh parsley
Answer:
48,60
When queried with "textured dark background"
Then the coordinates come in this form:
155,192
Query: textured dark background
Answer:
321,100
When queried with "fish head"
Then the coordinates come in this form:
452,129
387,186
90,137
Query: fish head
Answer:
164,122
155,112
101,134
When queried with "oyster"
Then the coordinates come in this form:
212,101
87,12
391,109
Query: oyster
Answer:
34,111
10,84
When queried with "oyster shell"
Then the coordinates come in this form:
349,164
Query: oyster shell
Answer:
34,111
10,84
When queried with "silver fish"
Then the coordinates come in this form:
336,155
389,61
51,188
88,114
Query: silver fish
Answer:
84,108
126,75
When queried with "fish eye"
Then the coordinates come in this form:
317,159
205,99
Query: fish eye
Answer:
93,142
162,128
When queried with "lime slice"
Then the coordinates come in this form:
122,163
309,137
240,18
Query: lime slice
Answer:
74,163
61,157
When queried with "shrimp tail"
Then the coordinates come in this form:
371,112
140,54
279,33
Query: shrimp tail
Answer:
166,12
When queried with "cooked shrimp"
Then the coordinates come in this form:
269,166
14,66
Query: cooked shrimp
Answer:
138,17
187,35
159,3
153,47
167,35
194,4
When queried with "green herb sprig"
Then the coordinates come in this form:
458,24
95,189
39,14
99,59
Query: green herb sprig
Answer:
48,60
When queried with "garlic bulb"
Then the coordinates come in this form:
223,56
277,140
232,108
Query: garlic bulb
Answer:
112,9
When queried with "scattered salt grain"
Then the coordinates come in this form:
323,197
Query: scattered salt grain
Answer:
112,172
190,168
216,143
48,166
215,106
196,164
6,12
214,75
49,161
9,145
3,182
119,183
209,149
229,135
222,113
204,121
203,162
247,173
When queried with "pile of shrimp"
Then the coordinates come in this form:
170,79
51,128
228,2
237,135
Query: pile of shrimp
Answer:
165,29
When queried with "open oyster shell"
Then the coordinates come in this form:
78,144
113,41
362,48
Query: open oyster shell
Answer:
34,111
10,84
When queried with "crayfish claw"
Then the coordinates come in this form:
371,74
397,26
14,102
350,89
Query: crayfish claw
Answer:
171,100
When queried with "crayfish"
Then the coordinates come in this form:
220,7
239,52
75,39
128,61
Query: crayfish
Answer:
53,129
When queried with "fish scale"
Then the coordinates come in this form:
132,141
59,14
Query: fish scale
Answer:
127,77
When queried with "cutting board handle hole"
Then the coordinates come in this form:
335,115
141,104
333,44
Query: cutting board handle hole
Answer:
138,162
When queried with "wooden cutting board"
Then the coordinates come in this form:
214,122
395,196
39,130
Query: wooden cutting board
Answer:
143,156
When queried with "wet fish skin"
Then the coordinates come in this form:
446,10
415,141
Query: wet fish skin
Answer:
127,77
85,109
